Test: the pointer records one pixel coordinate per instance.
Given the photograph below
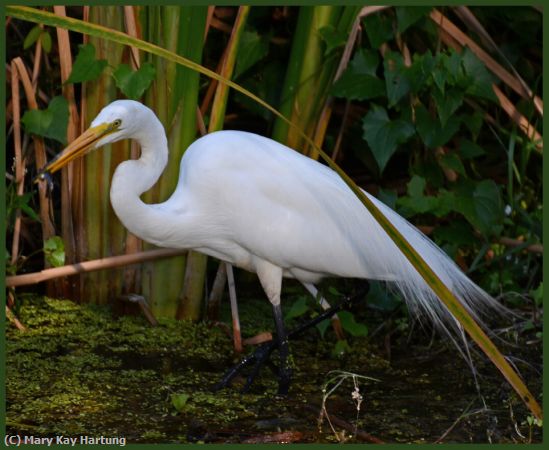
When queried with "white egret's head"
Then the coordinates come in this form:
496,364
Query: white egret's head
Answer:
121,119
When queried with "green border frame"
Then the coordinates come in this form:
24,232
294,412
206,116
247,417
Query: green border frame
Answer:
3,96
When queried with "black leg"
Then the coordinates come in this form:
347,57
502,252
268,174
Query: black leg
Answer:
285,371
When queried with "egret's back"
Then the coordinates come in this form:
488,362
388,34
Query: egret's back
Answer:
265,201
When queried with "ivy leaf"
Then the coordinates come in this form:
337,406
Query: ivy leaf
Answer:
456,232
333,38
453,65
54,250
384,135
408,15
22,202
86,67
481,205
420,71
470,150
474,122
447,103
396,80
51,123
298,308
452,161
133,83
365,62
350,325
488,206
322,327
253,48
379,29
537,294
481,79
415,202
359,81
379,297
179,401
431,131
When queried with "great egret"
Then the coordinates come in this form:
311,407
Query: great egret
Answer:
266,208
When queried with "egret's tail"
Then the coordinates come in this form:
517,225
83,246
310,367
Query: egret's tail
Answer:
420,298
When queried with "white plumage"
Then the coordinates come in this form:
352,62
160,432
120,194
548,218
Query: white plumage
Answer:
266,208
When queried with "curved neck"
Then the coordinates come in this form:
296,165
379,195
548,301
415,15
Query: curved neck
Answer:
134,177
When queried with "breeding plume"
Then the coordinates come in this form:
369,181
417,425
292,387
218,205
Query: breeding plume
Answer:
268,209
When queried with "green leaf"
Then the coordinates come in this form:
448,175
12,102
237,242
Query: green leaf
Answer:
396,80
474,122
416,202
420,71
341,347
32,37
333,38
408,15
322,327
51,123
388,196
45,40
86,67
456,232
488,206
453,65
354,86
439,77
416,186
133,83
379,297
359,81
481,205
298,308
470,150
384,135
179,401
431,131
350,325
253,48
22,202
452,161
447,103
54,250
365,62
537,294
379,29
480,78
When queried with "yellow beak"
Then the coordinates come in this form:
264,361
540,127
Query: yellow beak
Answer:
77,148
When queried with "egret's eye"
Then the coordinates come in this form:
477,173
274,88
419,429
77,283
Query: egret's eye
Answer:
117,123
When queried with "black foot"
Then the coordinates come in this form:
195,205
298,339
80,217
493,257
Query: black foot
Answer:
259,357
262,354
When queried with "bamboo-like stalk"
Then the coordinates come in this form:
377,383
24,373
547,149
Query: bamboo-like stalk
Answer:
132,275
68,206
310,74
104,235
18,162
174,96
48,228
